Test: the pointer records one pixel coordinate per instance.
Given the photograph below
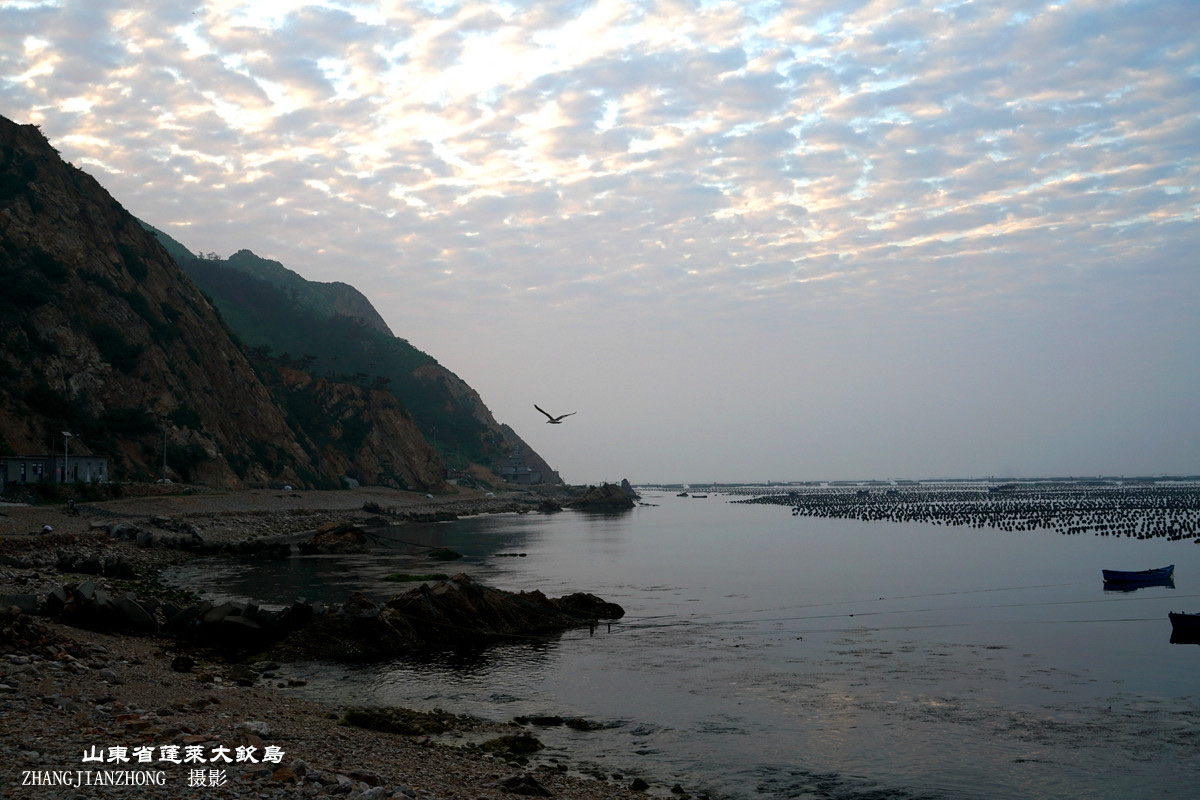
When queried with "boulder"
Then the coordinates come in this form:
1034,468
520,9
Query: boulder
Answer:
589,606
134,614
216,614
337,537
360,606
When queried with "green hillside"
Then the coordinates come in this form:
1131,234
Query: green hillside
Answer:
282,318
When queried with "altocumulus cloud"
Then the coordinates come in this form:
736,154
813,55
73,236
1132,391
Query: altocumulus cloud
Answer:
700,171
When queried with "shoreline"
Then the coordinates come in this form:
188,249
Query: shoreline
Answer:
64,690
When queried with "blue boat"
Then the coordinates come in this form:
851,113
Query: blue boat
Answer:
1120,576
1163,576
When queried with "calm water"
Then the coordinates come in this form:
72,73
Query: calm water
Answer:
765,655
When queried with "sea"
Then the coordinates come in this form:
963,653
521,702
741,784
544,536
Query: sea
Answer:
767,655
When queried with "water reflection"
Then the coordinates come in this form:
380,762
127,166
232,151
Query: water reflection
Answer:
1167,582
811,657
1185,628
467,663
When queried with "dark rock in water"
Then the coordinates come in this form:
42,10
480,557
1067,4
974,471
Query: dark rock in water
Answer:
607,497
542,721
183,663
337,537
460,608
403,721
581,724
517,744
360,606
627,488
444,554
639,785
588,606
447,613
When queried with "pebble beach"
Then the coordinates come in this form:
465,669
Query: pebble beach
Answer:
87,714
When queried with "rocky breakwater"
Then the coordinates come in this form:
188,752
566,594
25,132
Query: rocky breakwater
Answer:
455,611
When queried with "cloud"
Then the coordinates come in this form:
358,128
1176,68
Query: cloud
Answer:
873,168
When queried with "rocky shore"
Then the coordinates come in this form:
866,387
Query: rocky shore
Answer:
85,713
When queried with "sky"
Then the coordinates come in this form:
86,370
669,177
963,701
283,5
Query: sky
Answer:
743,241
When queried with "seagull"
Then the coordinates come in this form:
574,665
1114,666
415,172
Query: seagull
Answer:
551,420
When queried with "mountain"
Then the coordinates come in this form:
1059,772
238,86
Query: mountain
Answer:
332,330
326,299
104,336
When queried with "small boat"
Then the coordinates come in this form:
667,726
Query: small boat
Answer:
1185,628
1144,576
701,496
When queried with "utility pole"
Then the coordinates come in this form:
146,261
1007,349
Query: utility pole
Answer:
67,436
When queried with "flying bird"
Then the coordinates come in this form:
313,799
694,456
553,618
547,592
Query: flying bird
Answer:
550,419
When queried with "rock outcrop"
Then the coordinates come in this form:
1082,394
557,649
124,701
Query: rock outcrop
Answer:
341,537
502,440
105,336
606,497
451,612
331,330
359,432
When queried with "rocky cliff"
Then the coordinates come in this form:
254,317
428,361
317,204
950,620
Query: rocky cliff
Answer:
329,329
105,337
494,438
359,433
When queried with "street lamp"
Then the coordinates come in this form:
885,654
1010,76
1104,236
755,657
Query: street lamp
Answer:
67,436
